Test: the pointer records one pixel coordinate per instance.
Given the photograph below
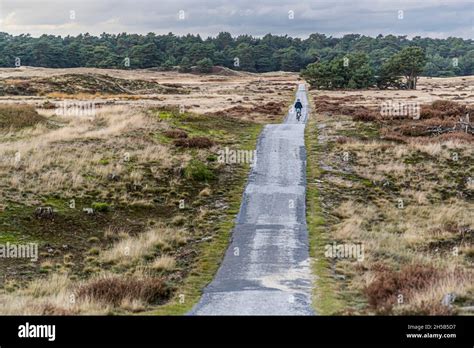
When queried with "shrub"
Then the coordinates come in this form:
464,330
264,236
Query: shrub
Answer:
100,207
196,170
114,289
176,134
335,74
19,116
382,293
195,142
428,112
443,109
358,112
205,65
342,140
449,108
364,116
458,136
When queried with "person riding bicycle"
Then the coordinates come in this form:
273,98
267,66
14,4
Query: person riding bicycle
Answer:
298,107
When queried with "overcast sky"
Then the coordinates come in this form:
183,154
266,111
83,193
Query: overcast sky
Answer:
432,18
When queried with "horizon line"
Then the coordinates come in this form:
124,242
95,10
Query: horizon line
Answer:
305,37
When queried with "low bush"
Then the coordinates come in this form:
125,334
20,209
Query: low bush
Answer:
382,293
443,109
198,171
19,116
114,289
176,134
196,142
100,207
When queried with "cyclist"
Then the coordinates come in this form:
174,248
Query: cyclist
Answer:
298,107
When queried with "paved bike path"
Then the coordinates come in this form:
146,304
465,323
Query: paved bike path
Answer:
266,269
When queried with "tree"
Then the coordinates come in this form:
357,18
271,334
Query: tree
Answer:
169,64
317,75
290,59
352,71
362,77
387,78
145,56
444,57
223,40
205,65
263,62
467,63
244,58
408,63
185,65
101,57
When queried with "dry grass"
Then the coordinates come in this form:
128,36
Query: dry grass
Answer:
117,290
133,248
405,197
164,263
81,155
209,94
414,224
123,156
104,293
53,295
429,300
205,192
442,149
19,116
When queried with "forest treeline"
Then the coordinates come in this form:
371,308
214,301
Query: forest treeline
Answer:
444,57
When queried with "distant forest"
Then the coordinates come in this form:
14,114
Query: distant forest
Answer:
444,57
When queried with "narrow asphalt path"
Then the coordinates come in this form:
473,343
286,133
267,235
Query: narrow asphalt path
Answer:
266,268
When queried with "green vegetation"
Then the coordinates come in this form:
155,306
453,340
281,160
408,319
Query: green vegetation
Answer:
198,171
445,57
354,71
405,202
325,296
205,65
100,206
408,63
161,262
212,250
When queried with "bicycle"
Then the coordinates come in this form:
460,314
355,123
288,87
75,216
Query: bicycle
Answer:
298,114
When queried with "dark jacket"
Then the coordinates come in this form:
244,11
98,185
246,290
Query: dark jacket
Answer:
298,105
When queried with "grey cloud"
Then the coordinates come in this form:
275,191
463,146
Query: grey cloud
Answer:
440,18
